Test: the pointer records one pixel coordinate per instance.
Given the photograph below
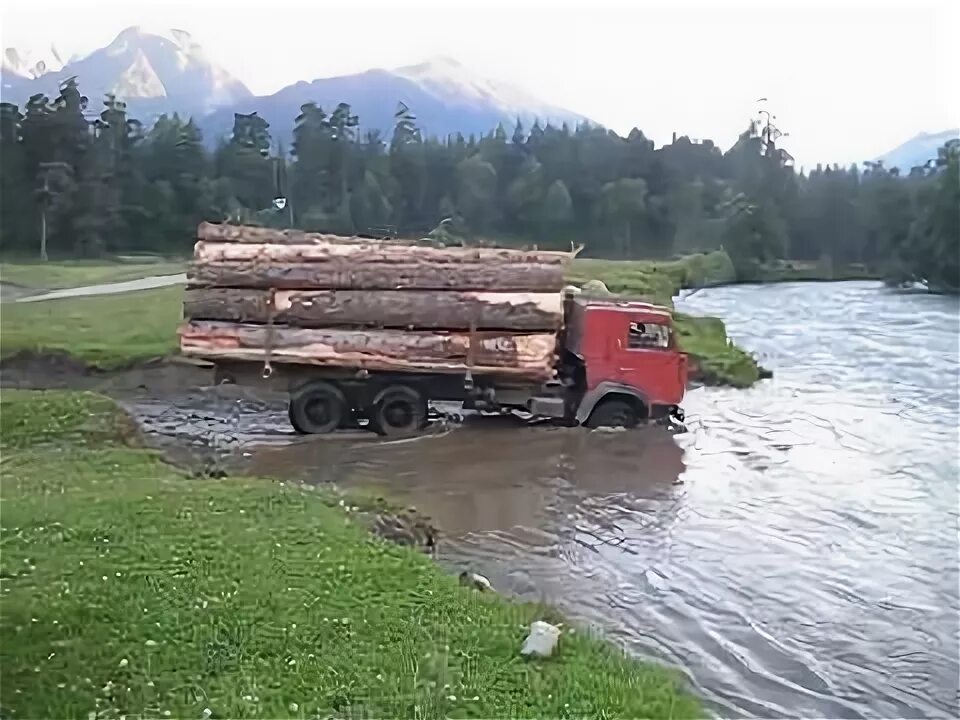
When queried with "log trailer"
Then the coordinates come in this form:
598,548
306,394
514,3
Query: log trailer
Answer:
617,365
352,350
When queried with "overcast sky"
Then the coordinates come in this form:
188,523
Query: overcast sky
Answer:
847,79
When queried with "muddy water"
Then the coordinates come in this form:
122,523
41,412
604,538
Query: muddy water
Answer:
795,553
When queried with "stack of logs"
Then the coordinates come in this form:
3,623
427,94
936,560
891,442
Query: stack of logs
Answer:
289,296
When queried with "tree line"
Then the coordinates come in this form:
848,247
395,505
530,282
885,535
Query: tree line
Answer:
80,182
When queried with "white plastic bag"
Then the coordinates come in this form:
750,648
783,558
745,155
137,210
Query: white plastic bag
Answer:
542,640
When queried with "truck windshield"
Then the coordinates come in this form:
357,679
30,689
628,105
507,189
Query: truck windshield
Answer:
647,335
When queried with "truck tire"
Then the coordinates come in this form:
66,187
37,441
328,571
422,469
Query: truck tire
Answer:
317,408
398,410
614,413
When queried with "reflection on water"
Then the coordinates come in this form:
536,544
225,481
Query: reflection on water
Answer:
795,552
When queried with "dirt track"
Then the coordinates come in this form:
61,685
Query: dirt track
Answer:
176,405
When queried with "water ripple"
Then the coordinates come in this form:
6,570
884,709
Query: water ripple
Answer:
795,553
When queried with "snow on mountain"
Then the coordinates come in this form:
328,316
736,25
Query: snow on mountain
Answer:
140,80
445,97
152,72
168,71
32,65
448,80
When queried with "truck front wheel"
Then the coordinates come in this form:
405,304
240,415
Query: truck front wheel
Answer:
398,410
614,413
317,408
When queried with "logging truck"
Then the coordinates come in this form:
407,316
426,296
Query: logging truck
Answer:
361,333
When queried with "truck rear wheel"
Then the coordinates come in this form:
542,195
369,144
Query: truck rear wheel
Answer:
398,410
317,408
614,413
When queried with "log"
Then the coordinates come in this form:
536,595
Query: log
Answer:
451,310
370,252
250,234
532,277
520,356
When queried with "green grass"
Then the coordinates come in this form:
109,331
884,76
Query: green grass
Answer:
77,273
655,280
717,361
104,330
129,589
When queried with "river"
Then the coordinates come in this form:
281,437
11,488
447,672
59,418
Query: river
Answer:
795,553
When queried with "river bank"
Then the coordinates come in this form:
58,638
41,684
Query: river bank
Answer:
716,360
130,588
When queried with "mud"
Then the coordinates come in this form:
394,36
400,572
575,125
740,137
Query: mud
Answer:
210,431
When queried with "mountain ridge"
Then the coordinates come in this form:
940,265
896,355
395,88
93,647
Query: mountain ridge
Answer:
152,73
918,150
169,72
444,95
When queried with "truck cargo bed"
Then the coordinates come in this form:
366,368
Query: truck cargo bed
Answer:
528,356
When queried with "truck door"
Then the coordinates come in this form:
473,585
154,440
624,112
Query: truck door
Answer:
646,360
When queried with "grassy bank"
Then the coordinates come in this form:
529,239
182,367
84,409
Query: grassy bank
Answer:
131,590
718,361
77,273
656,280
105,330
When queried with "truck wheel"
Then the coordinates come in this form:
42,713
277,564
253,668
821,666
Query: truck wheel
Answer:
399,410
316,408
613,413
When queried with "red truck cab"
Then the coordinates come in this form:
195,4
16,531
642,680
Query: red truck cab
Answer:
627,366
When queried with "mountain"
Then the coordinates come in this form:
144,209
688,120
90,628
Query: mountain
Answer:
153,73
32,65
445,96
917,150
171,73
19,68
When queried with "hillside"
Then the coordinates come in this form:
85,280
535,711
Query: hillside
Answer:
445,96
153,73
170,73
917,150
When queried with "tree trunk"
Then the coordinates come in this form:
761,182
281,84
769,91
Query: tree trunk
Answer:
43,234
428,275
528,357
387,308
272,236
369,252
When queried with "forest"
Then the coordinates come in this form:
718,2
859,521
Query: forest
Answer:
78,181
